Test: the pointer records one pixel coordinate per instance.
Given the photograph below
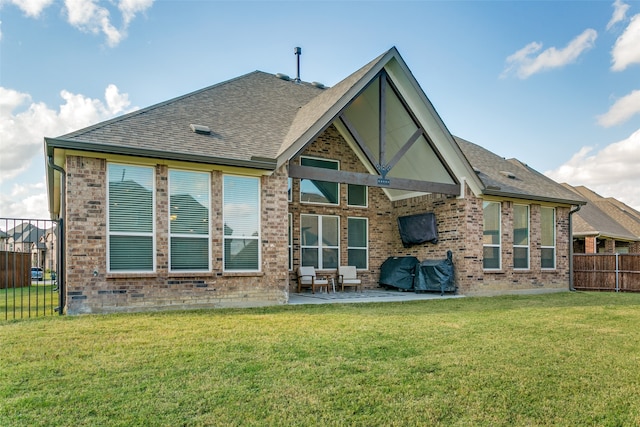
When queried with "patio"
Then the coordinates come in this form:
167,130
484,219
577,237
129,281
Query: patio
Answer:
368,295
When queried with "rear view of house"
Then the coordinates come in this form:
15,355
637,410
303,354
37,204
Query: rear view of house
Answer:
213,199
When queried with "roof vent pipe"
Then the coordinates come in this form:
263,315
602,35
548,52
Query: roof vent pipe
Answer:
297,51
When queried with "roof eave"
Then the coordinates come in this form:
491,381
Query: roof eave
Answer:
253,163
498,193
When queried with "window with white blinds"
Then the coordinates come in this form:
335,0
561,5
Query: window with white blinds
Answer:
241,218
189,235
131,213
548,240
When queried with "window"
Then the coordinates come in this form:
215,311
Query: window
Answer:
189,238
357,242
289,189
131,213
357,195
312,191
491,235
520,237
290,242
319,241
241,222
548,242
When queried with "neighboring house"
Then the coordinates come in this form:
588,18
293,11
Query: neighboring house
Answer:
3,241
21,237
213,199
44,252
604,225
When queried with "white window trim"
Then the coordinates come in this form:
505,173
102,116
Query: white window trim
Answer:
208,236
258,237
528,245
290,240
366,197
366,247
554,247
492,245
320,246
301,179
153,222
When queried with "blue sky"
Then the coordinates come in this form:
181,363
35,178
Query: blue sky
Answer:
553,84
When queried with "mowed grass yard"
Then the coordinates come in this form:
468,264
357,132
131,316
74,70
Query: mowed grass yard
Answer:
559,359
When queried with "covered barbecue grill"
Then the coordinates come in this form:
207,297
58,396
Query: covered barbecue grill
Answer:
435,275
398,272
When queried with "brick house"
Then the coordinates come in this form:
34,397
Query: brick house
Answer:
213,199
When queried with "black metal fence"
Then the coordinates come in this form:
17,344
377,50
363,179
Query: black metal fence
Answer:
29,268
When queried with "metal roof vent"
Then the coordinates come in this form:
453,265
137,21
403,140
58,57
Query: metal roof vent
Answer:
508,174
318,85
283,77
200,129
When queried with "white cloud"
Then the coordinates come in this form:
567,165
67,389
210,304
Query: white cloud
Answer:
524,63
25,201
623,109
32,8
626,50
91,16
22,132
619,13
130,8
611,172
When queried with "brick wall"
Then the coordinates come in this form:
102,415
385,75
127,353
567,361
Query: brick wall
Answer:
92,290
459,223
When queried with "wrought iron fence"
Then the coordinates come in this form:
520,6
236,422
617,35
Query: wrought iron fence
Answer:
29,268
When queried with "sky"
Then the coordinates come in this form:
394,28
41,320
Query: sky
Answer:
555,84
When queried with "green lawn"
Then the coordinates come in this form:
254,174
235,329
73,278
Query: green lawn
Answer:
561,359
39,299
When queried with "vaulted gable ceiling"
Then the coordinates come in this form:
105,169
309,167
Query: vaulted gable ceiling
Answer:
390,124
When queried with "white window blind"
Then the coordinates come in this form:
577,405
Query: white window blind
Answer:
189,205
131,207
548,242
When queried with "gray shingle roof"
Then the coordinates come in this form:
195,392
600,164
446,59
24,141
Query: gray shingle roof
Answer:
249,117
259,119
605,217
512,178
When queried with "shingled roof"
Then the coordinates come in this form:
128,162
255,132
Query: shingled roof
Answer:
260,121
248,116
512,178
605,217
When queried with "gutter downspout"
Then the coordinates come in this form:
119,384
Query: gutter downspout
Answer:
571,288
61,234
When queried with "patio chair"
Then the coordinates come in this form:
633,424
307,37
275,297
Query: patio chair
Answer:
348,276
307,278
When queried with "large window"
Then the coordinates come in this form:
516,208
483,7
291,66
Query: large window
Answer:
520,237
548,243
189,205
312,191
491,235
241,222
357,242
131,213
319,241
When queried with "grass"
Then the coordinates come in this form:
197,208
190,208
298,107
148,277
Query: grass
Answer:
560,359
39,299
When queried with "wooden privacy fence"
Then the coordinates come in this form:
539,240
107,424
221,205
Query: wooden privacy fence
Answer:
15,269
606,272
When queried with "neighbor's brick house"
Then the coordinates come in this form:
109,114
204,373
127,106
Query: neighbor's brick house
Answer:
213,199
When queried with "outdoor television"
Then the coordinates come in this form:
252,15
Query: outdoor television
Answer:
417,229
